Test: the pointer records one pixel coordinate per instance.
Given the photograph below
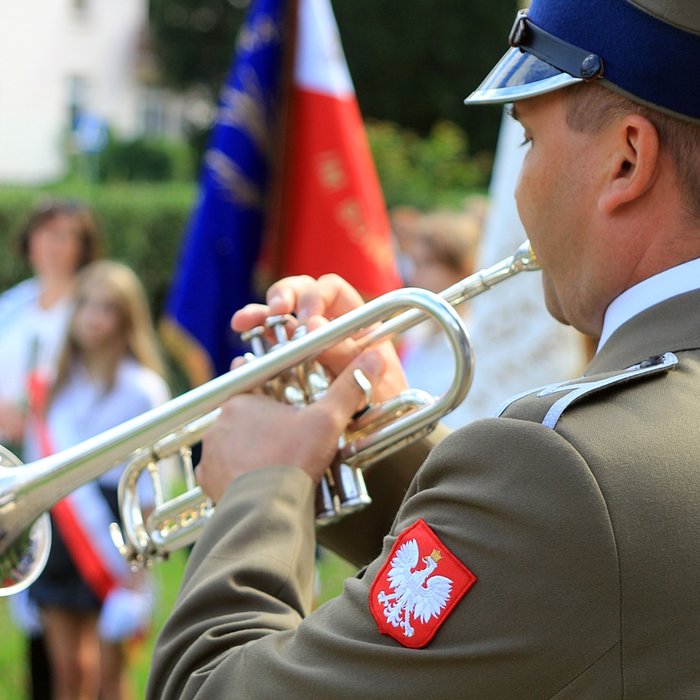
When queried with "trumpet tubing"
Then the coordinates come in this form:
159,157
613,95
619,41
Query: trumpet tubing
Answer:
27,493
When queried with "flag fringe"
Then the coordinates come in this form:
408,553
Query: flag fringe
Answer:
186,350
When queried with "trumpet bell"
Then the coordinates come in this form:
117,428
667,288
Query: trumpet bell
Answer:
23,558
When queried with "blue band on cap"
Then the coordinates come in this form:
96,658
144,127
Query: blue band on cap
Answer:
643,55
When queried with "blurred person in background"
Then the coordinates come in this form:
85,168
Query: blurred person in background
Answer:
58,238
109,371
441,251
404,219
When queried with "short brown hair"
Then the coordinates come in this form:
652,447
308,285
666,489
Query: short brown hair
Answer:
452,237
85,221
591,107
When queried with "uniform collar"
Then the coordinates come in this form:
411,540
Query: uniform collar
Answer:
669,283
672,325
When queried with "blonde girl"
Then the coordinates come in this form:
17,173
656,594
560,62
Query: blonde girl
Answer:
109,370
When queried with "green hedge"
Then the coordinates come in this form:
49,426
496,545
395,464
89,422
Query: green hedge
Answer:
143,225
143,222
146,160
426,172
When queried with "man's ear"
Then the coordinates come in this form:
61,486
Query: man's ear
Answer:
633,163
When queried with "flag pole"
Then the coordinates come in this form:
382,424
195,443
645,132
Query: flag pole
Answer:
273,250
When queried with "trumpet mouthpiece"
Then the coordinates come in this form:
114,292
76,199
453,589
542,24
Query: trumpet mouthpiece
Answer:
525,259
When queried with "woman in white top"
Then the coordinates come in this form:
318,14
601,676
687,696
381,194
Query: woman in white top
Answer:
108,372
58,238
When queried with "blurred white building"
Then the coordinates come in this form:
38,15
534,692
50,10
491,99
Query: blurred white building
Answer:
63,58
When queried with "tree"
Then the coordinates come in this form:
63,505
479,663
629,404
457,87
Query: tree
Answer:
412,62
193,40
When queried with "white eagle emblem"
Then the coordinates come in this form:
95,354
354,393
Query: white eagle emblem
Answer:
416,592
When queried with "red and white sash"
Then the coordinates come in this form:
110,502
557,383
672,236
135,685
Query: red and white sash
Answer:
83,517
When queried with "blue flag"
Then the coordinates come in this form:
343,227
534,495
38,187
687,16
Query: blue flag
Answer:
216,268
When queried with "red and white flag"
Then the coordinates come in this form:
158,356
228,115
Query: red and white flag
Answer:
288,185
332,216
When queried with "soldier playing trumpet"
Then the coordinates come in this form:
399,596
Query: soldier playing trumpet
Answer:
552,551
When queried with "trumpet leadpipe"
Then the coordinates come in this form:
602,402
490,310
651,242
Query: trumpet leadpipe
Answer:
522,260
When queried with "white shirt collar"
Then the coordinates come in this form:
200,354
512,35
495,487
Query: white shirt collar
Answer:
669,283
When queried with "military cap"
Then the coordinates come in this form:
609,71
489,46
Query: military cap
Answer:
648,50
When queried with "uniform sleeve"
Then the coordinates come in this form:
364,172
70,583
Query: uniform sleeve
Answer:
358,536
511,500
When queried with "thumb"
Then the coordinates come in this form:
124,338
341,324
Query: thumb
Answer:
351,390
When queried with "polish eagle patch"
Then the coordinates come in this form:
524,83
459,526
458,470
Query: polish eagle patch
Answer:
418,587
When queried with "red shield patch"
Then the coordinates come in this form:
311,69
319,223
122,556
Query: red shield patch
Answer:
418,587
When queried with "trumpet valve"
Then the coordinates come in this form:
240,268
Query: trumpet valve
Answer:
278,325
341,492
313,374
316,381
254,337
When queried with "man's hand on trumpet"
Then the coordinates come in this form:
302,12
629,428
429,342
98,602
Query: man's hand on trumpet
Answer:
255,431
314,302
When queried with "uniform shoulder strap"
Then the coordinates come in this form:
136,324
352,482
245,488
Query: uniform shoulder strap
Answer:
576,389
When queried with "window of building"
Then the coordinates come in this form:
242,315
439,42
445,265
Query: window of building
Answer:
80,9
153,112
77,99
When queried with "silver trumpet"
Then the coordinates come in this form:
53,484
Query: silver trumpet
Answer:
28,492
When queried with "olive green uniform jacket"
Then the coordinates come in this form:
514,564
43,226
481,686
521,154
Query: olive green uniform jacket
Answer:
584,534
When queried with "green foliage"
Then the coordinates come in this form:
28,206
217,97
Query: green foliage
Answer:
412,62
145,160
135,159
193,40
425,172
14,207
142,225
143,222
